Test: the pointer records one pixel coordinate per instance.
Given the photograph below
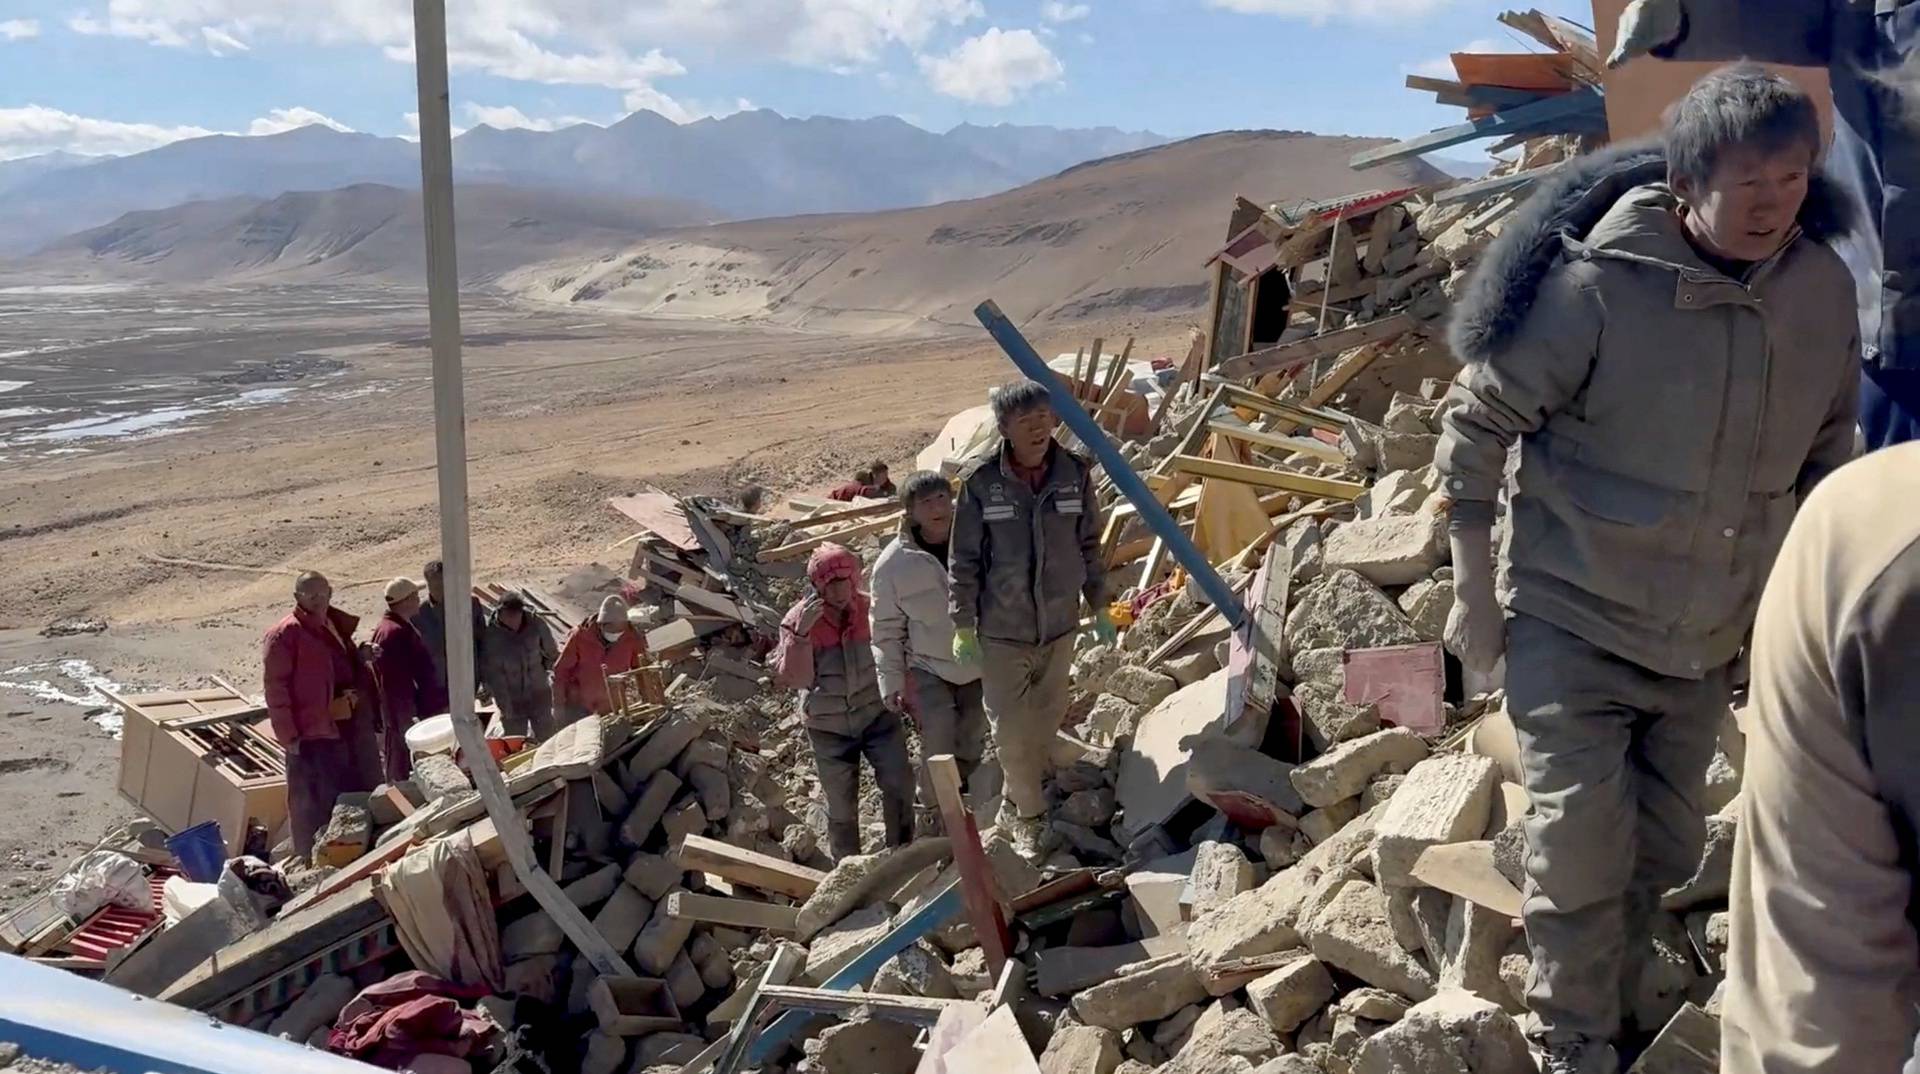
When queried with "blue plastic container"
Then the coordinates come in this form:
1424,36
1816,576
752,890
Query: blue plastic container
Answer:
201,852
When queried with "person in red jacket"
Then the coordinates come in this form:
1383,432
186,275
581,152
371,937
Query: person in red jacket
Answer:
854,489
603,646
320,703
403,670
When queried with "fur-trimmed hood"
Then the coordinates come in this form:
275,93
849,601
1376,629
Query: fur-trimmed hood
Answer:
1567,206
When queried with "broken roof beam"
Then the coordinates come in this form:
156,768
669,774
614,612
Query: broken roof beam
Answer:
1576,111
741,866
1327,344
1263,477
1463,95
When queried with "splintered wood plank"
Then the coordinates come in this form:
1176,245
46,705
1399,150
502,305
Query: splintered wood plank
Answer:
979,890
1298,352
701,854
1263,477
1467,870
1268,635
739,913
799,549
661,515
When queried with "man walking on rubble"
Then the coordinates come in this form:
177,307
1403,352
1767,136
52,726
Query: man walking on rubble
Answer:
319,702
1025,551
602,646
520,655
913,633
403,673
432,623
1674,348
826,652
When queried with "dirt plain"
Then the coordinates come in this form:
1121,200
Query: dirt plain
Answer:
337,473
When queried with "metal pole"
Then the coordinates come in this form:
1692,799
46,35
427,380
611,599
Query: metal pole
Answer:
450,452
1124,479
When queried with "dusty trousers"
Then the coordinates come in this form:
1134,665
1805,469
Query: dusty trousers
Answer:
1025,689
952,720
319,771
1615,759
883,742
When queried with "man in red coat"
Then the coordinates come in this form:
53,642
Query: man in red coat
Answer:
602,646
403,668
319,700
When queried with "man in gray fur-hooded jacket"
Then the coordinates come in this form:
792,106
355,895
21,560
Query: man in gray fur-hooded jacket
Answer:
1673,347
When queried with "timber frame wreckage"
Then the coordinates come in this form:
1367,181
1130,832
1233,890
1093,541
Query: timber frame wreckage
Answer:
1289,839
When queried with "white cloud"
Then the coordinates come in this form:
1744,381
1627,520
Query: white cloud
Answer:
220,42
35,129
282,120
1057,11
993,68
1321,11
19,29
1442,66
507,117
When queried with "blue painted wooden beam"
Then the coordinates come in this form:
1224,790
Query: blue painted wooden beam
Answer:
1567,111
1218,593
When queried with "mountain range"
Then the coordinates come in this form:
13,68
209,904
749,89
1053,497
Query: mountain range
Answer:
743,166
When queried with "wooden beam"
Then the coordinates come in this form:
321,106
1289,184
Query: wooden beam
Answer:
1267,634
1190,439
1306,444
705,598
701,854
915,1010
849,514
1299,351
739,913
726,1054
1552,115
1297,413
1263,477
978,887
797,549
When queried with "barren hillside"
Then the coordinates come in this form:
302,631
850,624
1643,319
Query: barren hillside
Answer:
1130,233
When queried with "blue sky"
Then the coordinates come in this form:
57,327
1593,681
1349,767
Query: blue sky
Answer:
120,75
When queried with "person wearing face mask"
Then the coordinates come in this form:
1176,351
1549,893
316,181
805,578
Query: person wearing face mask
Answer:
1670,341
320,698
605,645
913,633
826,653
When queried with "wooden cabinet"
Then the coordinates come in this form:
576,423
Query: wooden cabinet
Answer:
188,756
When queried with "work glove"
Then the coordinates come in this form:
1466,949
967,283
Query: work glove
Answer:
811,609
1103,629
1646,25
966,646
1476,626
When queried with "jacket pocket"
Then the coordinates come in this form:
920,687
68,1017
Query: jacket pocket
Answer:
1621,540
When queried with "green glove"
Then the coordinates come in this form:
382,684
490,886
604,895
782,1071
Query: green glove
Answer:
1103,628
966,645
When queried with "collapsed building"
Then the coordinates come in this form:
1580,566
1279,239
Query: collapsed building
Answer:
1290,848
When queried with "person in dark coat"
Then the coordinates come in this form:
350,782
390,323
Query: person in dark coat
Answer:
403,672
432,624
520,655
1871,52
320,702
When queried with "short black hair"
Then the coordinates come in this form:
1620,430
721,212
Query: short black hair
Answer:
878,468
512,599
433,569
1009,401
920,484
1742,104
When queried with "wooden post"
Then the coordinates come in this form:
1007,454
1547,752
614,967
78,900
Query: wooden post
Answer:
450,444
978,888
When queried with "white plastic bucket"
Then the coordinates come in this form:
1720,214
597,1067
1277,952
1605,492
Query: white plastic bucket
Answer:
431,735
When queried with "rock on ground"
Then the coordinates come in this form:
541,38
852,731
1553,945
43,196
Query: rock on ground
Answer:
868,1045
1257,922
1345,611
1291,994
1220,872
916,971
1151,992
1451,1033
1220,1037
1345,771
1142,686
1353,934
1331,719
1445,799
1389,550
1427,604
1081,1050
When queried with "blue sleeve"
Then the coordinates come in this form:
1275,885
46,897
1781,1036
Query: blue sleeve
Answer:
1796,32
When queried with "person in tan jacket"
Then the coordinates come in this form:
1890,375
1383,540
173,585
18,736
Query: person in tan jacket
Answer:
1823,961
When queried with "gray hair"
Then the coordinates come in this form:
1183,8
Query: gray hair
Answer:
1009,401
1739,105
921,484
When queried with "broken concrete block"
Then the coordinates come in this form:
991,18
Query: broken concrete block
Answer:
1089,808
916,971
1081,1050
1111,717
1085,842
864,1044
1152,991
648,807
1249,787
1381,790
711,787
1353,934
605,1054
1192,667
613,798
1345,611
348,834
1173,1031
1446,799
594,888
1224,1040
683,982
1290,1064
859,877
1403,915
1220,872
537,978
1689,1042
1280,847
835,945
1389,550
1257,922
710,958
711,751
669,735
1321,668
1427,603
969,973
437,776
1709,933
619,922
1331,719
1291,994
1321,825
653,875
683,820
1515,968
1375,1005
1723,782
1140,685
534,934
314,1008
1451,1033
660,941
1346,770
1477,939
1714,878
1398,493
1510,854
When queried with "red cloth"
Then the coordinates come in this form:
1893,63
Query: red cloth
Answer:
409,687
306,666
848,492
793,658
408,1015
1034,476
580,676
